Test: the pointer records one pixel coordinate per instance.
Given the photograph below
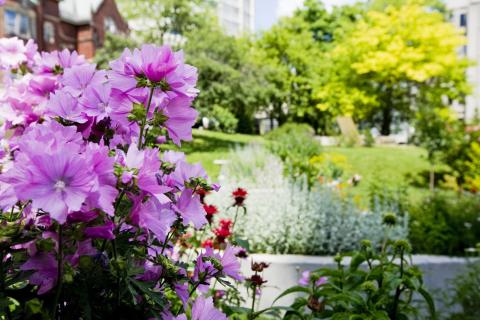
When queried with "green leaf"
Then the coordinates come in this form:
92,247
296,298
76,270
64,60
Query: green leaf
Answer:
341,316
431,304
288,309
292,290
380,315
156,296
348,296
242,243
229,310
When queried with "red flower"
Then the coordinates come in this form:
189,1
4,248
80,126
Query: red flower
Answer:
202,194
222,234
211,210
225,223
256,279
239,195
207,243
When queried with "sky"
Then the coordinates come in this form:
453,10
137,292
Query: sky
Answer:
268,11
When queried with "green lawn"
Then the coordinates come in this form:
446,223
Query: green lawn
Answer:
208,146
390,167
386,166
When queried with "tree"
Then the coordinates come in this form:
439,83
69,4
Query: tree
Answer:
433,132
226,78
294,49
113,47
392,58
166,21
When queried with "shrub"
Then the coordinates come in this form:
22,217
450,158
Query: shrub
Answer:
295,129
445,225
369,140
465,292
311,221
384,291
294,145
225,121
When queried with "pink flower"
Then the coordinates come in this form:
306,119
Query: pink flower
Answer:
95,100
203,310
54,63
46,267
12,53
475,128
40,88
81,216
104,192
181,118
230,264
147,163
468,128
152,216
190,209
84,248
64,105
68,60
59,182
161,139
77,78
101,232
306,279
184,171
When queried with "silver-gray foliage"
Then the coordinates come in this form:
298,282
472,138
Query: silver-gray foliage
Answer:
285,217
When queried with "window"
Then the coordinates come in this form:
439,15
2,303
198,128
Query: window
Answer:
48,32
246,6
463,20
18,24
10,22
110,25
246,21
23,25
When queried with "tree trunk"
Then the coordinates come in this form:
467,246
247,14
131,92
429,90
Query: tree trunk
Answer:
387,114
432,175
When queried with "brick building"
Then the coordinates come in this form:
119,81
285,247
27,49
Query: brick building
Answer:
57,24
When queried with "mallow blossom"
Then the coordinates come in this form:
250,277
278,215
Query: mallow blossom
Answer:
202,309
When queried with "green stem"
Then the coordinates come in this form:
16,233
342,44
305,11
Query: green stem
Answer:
200,280
2,283
167,239
144,122
235,220
385,240
59,271
399,291
253,300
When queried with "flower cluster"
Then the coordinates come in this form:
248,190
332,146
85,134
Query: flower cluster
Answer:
89,204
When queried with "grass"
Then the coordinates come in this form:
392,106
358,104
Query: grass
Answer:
208,146
388,167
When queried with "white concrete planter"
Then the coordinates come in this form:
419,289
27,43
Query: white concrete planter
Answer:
285,271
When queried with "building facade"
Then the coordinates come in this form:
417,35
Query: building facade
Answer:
236,16
466,15
58,24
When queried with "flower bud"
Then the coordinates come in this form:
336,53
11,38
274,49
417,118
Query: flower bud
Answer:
338,258
45,245
85,261
217,264
366,243
315,305
369,287
67,278
402,245
390,219
33,306
258,267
